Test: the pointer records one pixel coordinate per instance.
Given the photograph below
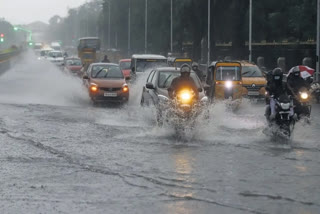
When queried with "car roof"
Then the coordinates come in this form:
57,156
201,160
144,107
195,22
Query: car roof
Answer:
102,63
88,38
168,69
215,62
125,60
148,56
73,58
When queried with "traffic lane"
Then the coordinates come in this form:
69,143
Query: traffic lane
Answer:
225,172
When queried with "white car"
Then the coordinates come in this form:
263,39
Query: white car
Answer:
56,57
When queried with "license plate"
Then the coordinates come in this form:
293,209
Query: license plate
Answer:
107,94
253,93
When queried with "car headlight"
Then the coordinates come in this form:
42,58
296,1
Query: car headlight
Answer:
125,88
228,84
93,87
285,106
304,95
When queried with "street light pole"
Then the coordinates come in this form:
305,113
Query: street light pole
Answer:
146,29
109,25
209,31
129,28
250,32
171,36
318,42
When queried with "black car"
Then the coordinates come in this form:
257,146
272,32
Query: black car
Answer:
158,82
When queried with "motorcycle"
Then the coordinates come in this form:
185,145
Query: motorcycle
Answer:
315,91
182,110
283,123
302,104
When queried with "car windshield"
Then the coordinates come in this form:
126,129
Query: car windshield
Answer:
166,78
87,56
148,64
179,64
251,71
125,65
106,72
74,62
225,73
55,54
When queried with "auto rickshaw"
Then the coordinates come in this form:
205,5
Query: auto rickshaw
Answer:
224,82
178,62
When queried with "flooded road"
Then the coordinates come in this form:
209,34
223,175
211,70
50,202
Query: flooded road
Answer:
59,154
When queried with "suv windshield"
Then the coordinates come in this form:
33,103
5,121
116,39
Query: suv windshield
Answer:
225,73
166,77
146,64
55,54
106,72
251,71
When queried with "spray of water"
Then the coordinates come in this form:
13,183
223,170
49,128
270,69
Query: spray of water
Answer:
33,81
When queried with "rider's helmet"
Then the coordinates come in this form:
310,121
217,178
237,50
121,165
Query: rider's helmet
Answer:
195,66
296,72
277,74
185,69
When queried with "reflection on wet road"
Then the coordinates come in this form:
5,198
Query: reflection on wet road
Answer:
61,155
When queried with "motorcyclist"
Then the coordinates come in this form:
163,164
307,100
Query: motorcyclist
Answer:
295,82
275,88
182,82
195,68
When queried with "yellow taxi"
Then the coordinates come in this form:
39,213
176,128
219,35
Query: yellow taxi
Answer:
253,81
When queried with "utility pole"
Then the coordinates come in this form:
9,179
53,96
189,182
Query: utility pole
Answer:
146,29
109,26
318,42
209,32
171,36
250,32
129,29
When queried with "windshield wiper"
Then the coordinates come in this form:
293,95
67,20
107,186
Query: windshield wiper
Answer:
244,73
98,72
253,73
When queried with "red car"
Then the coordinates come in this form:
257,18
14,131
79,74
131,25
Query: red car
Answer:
125,66
73,66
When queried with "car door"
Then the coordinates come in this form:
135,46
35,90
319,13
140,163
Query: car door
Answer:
153,93
145,92
87,73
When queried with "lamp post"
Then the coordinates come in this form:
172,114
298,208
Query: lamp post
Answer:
146,28
129,29
209,32
16,28
250,32
318,42
171,36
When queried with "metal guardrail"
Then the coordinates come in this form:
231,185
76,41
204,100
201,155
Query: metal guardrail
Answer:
5,57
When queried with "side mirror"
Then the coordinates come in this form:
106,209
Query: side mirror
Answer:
85,77
128,78
149,85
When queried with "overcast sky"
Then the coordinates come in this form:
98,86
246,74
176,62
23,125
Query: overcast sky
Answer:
27,11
